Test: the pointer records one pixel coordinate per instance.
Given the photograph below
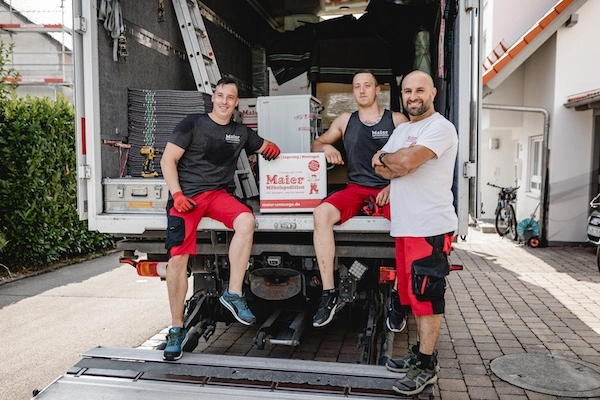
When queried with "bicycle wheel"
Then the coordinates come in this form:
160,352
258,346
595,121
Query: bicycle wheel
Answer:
512,222
502,221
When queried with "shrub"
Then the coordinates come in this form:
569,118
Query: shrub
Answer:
38,188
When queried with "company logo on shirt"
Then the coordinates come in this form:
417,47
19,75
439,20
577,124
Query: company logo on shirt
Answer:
380,134
231,138
410,141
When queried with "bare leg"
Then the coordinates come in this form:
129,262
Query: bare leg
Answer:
177,286
428,330
325,215
240,249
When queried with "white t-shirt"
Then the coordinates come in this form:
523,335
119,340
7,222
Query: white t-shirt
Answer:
422,201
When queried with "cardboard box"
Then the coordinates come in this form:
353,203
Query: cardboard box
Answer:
293,182
297,85
247,107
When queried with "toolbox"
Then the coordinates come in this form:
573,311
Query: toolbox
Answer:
135,195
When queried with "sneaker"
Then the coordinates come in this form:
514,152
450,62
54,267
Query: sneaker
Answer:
396,320
238,307
403,364
328,305
416,379
175,339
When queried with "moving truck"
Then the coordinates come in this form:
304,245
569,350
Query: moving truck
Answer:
135,80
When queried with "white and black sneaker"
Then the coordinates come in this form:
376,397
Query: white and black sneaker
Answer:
396,319
328,305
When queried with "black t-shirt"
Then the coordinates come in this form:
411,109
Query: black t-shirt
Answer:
361,142
211,152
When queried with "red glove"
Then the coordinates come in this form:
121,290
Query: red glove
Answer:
182,203
271,152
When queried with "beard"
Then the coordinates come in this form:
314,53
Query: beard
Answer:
417,111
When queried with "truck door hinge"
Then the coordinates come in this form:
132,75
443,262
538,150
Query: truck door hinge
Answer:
84,172
469,169
80,24
472,4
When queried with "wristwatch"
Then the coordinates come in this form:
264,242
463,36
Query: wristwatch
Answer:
381,158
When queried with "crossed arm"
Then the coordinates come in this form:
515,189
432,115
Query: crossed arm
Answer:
401,162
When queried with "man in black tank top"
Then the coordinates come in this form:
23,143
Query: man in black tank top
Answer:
363,133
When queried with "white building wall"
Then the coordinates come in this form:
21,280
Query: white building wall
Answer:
498,165
578,57
538,91
512,18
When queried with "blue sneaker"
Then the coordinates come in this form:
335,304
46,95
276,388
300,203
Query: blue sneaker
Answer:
175,340
238,307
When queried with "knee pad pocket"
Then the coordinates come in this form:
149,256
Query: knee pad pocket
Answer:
429,278
175,232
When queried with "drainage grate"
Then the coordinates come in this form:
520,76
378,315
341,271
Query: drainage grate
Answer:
545,373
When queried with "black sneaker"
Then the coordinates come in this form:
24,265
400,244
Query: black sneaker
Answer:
328,305
417,378
396,320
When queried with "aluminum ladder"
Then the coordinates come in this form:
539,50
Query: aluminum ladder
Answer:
206,74
197,45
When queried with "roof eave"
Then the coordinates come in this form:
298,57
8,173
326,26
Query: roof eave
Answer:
514,62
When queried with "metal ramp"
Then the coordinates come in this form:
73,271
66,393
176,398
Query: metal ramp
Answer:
197,44
107,373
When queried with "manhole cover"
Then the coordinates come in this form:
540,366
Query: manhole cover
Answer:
549,374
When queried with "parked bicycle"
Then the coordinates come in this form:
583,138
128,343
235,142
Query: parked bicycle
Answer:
593,227
506,219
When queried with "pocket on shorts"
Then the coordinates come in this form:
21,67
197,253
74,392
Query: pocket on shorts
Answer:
175,232
429,278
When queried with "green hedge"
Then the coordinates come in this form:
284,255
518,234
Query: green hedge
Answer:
38,190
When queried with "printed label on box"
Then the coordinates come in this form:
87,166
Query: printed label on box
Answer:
293,182
247,107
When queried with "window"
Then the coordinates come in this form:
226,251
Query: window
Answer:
535,164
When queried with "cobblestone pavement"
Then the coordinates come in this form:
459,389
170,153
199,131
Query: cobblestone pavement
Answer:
507,300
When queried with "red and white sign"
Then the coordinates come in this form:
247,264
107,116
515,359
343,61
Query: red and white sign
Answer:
293,182
247,107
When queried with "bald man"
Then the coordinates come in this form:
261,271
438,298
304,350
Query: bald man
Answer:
419,160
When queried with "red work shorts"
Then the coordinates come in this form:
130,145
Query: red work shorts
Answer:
421,267
181,227
351,200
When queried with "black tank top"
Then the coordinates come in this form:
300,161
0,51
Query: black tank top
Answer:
361,142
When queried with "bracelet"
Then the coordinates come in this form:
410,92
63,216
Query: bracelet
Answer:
381,159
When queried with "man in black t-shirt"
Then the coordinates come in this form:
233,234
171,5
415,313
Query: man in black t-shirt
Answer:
198,165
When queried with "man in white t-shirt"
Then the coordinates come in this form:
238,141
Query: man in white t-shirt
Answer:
419,160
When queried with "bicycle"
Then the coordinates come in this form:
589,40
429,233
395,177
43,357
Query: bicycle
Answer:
506,219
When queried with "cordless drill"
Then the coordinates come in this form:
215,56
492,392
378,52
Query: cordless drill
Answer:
149,152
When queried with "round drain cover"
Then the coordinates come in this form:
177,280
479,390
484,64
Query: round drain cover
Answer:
549,374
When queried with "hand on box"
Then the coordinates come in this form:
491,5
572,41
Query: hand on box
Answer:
271,152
